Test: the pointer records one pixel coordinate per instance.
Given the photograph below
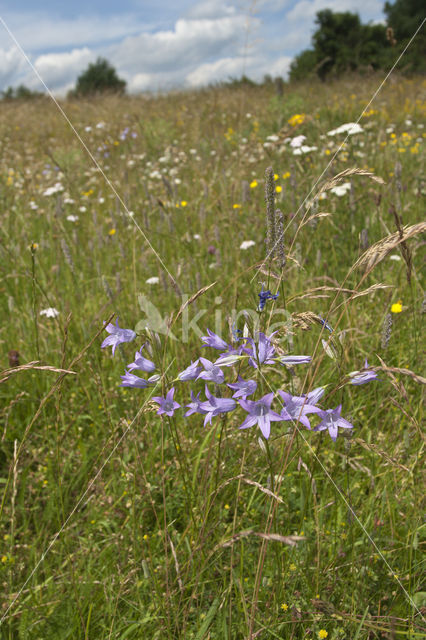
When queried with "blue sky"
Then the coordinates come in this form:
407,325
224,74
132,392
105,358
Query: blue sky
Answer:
160,44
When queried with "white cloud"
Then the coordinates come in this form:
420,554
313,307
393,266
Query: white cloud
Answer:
279,67
140,82
11,61
211,9
306,10
210,72
189,42
36,31
61,68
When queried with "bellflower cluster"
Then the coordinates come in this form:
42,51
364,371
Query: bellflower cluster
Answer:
248,360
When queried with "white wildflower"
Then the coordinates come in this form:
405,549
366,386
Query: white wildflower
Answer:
50,312
246,244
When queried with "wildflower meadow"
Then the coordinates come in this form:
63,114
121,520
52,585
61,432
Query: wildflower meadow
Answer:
211,364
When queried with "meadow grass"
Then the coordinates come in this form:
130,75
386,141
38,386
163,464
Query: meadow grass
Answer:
169,529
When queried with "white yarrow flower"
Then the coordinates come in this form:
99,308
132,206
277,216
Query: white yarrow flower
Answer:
350,129
246,244
153,280
50,191
341,189
50,312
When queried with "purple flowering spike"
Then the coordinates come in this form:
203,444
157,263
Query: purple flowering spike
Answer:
214,406
141,363
191,372
243,388
292,360
211,372
167,404
296,408
213,340
117,336
261,352
194,406
264,296
331,420
130,380
260,413
362,377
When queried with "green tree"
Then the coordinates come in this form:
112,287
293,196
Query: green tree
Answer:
404,17
303,65
20,93
99,77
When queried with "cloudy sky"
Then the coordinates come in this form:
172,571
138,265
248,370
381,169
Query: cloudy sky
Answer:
159,44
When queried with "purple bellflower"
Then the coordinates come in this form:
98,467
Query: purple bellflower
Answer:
325,325
262,352
211,372
130,380
289,361
141,363
364,376
315,395
260,413
264,296
167,404
213,340
331,420
243,388
117,336
191,372
237,334
296,408
194,406
214,406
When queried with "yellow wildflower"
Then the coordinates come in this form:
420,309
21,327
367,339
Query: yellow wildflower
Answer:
183,203
322,633
286,175
111,232
236,206
298,118
253,184
284,606
396,307
278,189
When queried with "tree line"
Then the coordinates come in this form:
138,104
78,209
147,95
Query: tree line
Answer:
341,43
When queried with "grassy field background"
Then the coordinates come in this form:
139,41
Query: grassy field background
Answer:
169,529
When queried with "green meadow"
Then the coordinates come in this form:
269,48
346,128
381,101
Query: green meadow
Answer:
117,523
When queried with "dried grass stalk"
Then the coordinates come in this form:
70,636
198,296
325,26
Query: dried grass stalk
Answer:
275,537
192,299
378,251
375,449
345,174
34,365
